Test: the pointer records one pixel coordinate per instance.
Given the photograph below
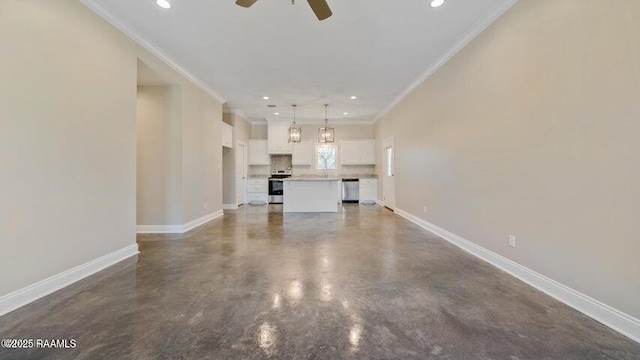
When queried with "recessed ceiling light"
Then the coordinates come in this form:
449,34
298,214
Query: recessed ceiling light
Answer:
437,3
265,98
345,113
276,113
354,97
164,4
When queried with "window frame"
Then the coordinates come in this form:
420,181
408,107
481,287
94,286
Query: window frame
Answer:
317,152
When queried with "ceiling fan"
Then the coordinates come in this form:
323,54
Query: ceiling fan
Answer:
319,7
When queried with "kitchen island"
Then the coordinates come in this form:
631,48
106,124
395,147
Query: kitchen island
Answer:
310,194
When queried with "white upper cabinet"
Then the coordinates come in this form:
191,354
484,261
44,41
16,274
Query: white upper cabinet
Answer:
349,152
302,153
278,140
227,135
367,152
358,152
258,152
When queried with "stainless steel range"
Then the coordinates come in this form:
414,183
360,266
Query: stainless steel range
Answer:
276,185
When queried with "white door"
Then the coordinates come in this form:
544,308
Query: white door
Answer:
241,172
388,180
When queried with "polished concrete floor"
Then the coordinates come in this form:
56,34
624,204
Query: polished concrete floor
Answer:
256,284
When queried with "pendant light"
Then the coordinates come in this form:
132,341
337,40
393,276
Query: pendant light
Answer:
326,134
295,132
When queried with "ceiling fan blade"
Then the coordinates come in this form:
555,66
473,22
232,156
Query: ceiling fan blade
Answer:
320,8
245,3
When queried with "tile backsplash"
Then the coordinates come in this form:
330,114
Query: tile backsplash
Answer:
281,162
341,170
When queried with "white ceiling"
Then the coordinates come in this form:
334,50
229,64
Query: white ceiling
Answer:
374,49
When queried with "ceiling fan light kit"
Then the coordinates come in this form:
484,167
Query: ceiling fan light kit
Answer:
319,7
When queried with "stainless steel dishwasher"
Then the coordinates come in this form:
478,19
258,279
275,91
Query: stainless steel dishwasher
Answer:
350,190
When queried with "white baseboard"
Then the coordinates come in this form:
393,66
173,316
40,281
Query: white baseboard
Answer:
380,202
47,286
203,220
229,206
177,229
159,229
603,313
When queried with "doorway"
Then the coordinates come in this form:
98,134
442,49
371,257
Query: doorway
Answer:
158,139
241,172
388,180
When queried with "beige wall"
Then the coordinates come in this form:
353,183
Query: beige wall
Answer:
259,131
201,154
532,130
159,145
68,140
242,129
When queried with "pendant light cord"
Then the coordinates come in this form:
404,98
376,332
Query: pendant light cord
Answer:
294,113
326,115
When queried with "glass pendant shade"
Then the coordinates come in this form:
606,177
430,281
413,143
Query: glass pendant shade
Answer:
295,132
326,134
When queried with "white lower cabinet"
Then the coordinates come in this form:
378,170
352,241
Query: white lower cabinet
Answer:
257,190
368,190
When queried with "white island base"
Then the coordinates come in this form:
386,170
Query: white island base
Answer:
310,195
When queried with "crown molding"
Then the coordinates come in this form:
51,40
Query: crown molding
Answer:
132,33
459,45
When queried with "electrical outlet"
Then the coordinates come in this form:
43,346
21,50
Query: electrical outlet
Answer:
425,209
206,205
512,241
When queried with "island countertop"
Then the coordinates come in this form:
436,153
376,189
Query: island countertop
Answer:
304,178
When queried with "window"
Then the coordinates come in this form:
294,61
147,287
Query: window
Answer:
326,157
388,161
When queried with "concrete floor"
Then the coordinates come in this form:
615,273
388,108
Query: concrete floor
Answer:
359,284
